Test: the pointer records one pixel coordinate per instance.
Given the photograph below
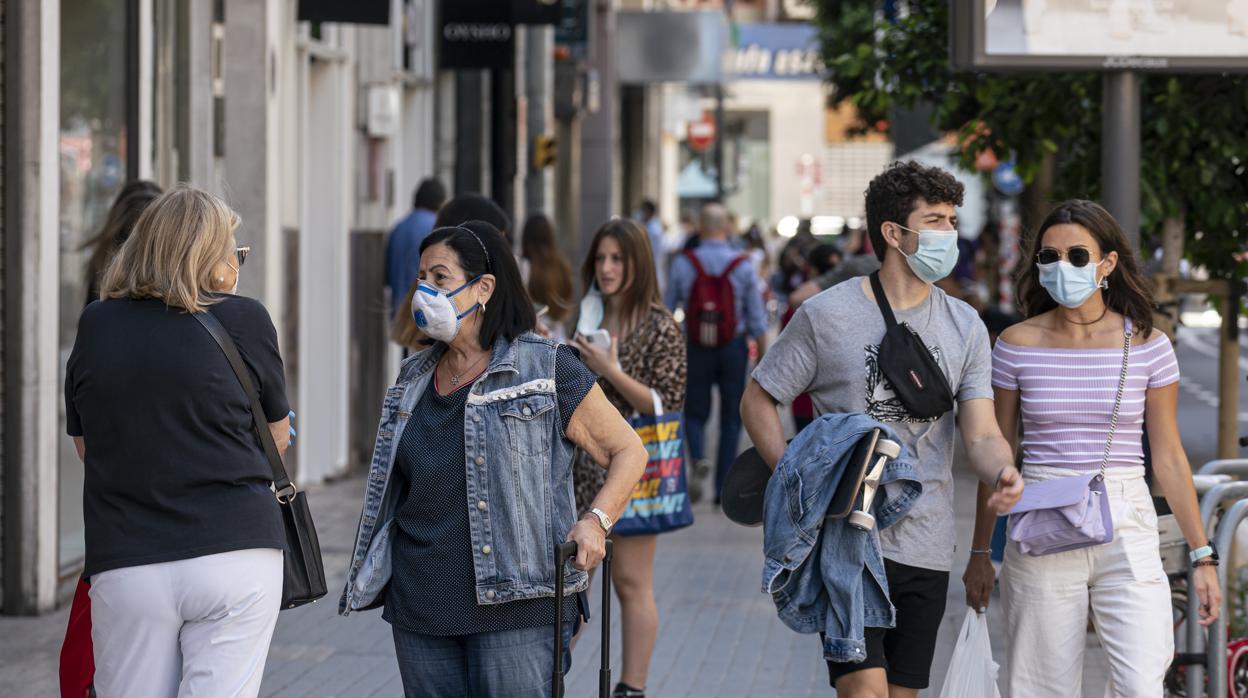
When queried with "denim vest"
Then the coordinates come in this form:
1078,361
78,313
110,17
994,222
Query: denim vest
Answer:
823,574
519,471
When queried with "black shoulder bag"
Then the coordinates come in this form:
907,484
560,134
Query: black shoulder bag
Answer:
303,573
906,363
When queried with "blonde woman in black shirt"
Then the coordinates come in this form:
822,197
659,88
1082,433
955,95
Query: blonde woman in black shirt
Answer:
184,538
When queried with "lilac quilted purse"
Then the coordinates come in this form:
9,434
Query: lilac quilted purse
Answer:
1071,512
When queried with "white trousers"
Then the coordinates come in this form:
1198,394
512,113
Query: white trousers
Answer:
196,627
1047,599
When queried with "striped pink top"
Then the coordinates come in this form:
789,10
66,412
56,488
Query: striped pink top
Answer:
1067,398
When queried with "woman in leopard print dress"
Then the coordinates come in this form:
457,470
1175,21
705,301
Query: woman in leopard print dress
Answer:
647,352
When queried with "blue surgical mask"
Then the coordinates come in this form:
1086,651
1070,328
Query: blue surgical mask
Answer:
936,256
1068,284
435,314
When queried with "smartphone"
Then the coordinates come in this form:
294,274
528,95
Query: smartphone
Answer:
599,338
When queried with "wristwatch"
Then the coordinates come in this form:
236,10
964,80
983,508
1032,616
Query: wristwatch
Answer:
1208,551
603,519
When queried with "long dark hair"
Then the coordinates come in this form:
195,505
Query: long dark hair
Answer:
1128,292
482,250
130,202
550,273
642,290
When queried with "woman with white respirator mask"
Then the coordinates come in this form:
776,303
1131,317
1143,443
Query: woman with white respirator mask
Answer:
470,485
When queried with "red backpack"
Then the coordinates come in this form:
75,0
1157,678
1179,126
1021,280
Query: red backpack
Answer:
712,306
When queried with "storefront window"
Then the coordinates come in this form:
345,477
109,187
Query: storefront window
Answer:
93,139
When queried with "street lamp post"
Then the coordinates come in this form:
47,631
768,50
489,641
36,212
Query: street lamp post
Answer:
1120,150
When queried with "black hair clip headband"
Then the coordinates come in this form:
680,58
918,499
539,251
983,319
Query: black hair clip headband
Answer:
488,267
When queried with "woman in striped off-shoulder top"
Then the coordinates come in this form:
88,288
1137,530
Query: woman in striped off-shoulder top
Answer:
1059,371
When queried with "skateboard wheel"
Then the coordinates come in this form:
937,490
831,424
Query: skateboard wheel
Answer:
861,520
890,449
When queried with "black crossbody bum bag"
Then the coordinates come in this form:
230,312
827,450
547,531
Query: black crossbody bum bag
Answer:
909,366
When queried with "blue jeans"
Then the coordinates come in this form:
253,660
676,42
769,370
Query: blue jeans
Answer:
517,663
726,367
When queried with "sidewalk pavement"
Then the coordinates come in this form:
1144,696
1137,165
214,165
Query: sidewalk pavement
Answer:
719,635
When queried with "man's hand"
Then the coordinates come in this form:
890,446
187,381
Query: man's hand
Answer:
1008,490
978,580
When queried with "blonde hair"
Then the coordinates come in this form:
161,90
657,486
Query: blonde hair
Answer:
172,252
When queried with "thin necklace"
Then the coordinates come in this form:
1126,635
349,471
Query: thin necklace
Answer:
456,376
1085,324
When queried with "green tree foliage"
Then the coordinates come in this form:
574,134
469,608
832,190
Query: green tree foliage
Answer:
1194,127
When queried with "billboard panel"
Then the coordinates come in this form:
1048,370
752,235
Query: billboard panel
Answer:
670,46
1173,35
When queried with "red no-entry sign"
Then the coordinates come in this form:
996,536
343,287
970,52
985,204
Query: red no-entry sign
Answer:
700,134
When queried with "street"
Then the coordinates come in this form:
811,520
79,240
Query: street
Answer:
719,635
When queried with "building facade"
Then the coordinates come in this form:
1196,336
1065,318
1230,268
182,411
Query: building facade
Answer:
316,132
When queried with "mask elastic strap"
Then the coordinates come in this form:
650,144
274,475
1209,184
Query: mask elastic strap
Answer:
470,282
468,312
1103,284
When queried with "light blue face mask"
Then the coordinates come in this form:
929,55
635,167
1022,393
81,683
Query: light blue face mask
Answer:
1069,285
936,256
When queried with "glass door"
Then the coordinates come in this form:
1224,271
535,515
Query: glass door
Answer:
97,62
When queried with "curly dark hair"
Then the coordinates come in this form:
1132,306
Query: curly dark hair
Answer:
894,194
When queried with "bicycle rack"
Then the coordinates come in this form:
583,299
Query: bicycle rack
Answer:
1225,466
1209,504
1216,665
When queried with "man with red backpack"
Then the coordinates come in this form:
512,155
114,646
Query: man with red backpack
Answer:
719,289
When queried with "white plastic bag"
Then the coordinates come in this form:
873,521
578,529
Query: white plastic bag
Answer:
972,673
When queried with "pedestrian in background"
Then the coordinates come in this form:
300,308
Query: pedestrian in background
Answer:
688,229
471,482
459,210
718,288
129,204
646,353
550,275
1062,370
403,246
184,538
857,260
755,244
648,216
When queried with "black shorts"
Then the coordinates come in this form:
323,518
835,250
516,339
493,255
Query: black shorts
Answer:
906,651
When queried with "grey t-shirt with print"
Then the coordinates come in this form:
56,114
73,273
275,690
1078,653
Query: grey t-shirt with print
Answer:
830,348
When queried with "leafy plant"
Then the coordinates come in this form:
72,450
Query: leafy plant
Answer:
1194,127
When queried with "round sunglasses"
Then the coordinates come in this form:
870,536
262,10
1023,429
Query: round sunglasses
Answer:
1077,256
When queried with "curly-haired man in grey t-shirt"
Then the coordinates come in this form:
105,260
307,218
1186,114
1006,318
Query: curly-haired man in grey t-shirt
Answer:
831,350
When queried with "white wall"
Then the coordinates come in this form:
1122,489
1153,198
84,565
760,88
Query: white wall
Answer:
796,128
327,107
